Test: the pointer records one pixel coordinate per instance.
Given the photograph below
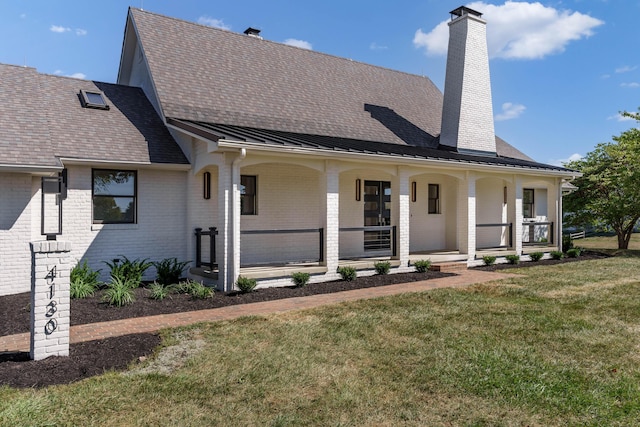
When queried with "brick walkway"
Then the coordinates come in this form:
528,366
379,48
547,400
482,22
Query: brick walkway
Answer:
96,331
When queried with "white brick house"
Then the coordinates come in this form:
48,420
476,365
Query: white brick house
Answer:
307,163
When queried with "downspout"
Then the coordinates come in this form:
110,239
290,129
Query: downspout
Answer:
235,219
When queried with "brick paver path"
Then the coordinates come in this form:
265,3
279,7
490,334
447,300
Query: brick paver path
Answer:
96,331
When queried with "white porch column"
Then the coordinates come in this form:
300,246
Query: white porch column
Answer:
404,217
517,226
332,217
224,250
559,218
467,216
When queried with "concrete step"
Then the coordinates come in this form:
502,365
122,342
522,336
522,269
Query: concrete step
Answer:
449,267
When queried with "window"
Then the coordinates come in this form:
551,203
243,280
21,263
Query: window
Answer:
248,193
527,203
114,196
93,100
434,198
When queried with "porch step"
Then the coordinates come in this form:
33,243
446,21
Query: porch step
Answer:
449,267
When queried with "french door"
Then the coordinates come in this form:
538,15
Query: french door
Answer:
377,213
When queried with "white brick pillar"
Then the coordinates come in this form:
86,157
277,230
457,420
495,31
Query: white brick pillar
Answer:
332,217
50,298
558,218
224,248
404,217
467,216
517,226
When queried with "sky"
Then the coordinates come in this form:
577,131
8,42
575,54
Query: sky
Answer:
561,71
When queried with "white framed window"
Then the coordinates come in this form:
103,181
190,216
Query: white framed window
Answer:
434,199
248,195
114,194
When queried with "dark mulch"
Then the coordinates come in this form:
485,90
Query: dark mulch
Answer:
95,357
585,256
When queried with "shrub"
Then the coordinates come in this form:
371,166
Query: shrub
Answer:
246,284
567,243
84,281
574,252
160,291
200,291
169,270
129,270
119,292
536,256
300,279
513,259
347,273
382,267
488,259
557,255
422,266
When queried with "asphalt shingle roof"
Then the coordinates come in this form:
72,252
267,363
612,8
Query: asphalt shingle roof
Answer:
217,76
42,119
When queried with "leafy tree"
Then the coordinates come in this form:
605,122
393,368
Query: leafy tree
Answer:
609,190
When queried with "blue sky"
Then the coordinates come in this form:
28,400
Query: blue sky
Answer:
560,70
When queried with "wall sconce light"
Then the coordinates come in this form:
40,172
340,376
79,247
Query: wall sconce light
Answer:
414,193
358,190
206,185
505,195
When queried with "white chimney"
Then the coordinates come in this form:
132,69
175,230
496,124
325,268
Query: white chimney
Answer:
467,112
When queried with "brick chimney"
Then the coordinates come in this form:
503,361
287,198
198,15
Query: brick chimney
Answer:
467,111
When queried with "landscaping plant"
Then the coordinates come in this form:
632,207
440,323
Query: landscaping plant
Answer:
347,273
84,281
513,259
300,279
488,259
574,252
422,266
536,256
382,267
160,291
129,270
557,255
169,270
246,284
119,291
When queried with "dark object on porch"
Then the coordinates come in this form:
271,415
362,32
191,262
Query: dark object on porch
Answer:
212,233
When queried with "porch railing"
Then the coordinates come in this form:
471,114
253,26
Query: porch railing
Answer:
377,238
537,233
273,247
507,226
211,233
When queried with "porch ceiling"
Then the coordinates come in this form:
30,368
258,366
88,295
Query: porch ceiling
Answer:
278,139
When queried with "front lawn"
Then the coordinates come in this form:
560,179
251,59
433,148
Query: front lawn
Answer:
559,345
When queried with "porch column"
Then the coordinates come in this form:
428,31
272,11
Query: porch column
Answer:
404,215
467,216
332,217
558,218
517,226
223,255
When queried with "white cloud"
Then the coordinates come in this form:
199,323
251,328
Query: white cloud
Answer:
376,46
571,158
213,22
78,76
626,69
81,32
59,29
298,43
518,30
632,85
620,118
510,111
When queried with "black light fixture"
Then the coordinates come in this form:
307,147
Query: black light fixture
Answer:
358,190
53,192
414,193
206,185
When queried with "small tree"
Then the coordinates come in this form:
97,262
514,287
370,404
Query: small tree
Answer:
609,190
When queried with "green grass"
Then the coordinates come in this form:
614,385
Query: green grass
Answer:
558,345
609,244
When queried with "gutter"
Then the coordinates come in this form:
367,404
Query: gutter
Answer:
116,163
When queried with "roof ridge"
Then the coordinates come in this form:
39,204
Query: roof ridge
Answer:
311,51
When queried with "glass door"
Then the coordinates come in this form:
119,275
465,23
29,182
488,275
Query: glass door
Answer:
377,213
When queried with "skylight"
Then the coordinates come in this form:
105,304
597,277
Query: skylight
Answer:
93,99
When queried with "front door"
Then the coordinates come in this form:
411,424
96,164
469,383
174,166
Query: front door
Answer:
377,212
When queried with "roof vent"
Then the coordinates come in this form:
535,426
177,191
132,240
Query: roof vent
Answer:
253,32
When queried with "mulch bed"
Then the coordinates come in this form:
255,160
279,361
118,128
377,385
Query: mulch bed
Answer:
95,357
